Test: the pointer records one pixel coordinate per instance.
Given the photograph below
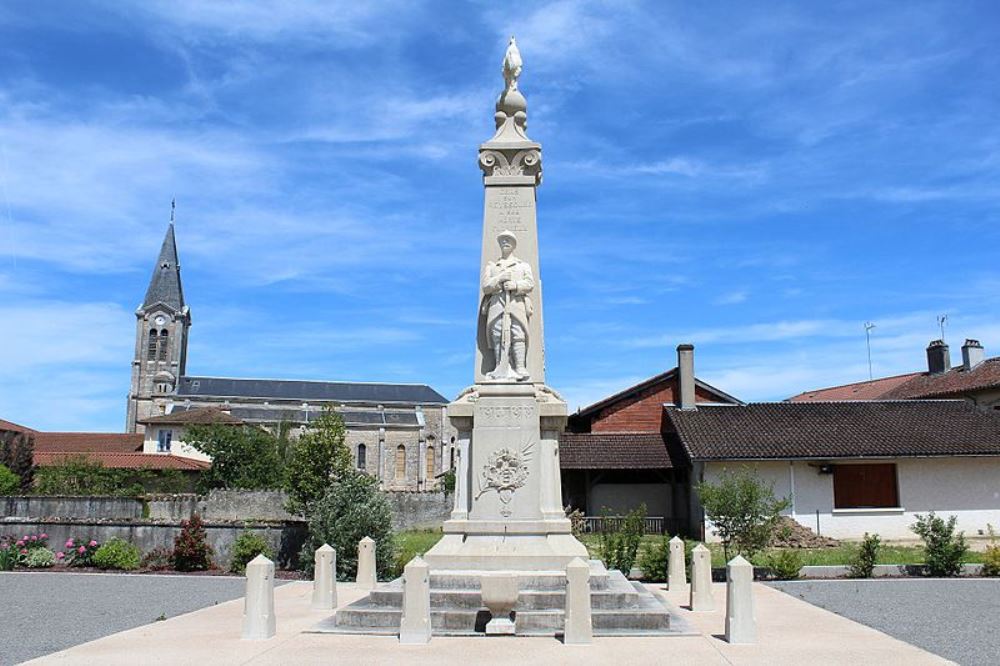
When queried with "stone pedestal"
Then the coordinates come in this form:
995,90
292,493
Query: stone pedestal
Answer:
676,569
701,579
415,625
579,629
366,576
741,625
324,595
508,513
258,606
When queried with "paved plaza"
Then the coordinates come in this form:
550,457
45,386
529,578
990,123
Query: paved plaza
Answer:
791,632
955,618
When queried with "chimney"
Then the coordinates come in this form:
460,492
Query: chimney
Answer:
685,376
972,354
938,358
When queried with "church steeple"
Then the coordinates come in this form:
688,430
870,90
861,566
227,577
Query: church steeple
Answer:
165,285
161,336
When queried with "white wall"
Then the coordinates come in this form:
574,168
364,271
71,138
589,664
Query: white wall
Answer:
965,487
177,445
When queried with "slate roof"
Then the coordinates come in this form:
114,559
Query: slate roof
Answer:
255,414
614,450
820,430
306,391
120,460
86,442
165,285
197,416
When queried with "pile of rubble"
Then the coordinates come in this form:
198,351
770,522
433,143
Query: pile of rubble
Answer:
791,534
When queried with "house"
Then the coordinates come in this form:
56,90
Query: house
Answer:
848,467
164,435
112,450
977,380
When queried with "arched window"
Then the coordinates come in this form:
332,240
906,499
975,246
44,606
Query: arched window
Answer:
151,345
400,462
362,457
162,355
451,462
430,462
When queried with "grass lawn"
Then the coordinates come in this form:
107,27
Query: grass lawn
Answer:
418,542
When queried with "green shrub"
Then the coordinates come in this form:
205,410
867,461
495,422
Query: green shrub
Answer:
248,546
864,559
448,482
351,510
943,549
653,560
784,564
242,456
10,483
743,511
81,475
158,559
620,544
991,555
39,558
317,458
117,554
191,549
577,521
78,552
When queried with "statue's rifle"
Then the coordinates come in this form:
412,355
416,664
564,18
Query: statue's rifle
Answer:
505,329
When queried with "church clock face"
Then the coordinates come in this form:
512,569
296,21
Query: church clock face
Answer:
161,320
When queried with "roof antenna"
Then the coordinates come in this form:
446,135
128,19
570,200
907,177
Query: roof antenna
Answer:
868,338
942,320
173,205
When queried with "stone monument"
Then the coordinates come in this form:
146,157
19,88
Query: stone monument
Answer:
508,543
508,504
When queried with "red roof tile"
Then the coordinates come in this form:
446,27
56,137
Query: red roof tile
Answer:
83,442
10,425
954,382
200,416
613,450
120,460
869,390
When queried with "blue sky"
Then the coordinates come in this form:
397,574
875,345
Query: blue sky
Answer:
758,179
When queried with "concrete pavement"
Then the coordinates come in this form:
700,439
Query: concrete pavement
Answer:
791,632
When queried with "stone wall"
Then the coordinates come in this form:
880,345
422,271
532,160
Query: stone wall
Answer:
415,511
36,506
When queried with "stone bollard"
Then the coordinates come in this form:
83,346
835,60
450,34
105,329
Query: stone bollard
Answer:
701,579
741,627
366,564
415,627
325,579
676,574
258,607
579,629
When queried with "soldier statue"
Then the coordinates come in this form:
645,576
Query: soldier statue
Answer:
507,285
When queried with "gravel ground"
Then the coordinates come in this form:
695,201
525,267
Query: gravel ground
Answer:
956,619
48,612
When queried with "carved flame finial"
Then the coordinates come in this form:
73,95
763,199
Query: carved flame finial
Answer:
512,64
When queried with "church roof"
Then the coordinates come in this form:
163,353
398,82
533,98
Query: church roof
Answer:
199,416
305,391
165,285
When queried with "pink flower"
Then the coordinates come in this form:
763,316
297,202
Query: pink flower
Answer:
34,538
44,536
81,550
92,543
60,555
20,543
69,543
25,537
24,551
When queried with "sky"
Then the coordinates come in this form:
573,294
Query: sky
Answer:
759,179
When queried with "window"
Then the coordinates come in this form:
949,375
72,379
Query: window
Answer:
400,462
430,463
151,345
163,441
451,463
162,355
362,457
870,486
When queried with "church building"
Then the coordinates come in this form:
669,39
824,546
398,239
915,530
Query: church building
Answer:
396,432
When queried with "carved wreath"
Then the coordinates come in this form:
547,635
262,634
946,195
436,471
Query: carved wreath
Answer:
505,471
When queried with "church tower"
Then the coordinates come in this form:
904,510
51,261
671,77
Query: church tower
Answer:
161,337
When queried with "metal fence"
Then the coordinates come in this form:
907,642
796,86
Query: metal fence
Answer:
650,524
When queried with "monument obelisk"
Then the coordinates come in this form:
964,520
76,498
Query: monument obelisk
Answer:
508,511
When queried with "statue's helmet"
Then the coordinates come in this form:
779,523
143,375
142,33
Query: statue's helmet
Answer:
508,235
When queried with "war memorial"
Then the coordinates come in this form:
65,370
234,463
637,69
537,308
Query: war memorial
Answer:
508,542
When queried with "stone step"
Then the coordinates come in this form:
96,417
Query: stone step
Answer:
556,580
527,600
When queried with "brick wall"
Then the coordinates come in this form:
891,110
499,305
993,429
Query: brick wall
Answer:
642,412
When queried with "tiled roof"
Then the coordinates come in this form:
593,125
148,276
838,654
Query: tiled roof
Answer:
647,383
84,442
306,391
613,450
954,382
869,390
199,416
10,425
872,429
249,413
119,460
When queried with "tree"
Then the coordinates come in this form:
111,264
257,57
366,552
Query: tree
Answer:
352,509
743,510
10,483
318,458
943,549
17,453
242,456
